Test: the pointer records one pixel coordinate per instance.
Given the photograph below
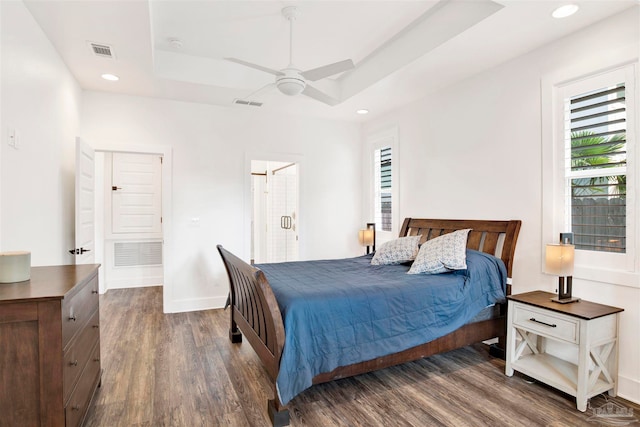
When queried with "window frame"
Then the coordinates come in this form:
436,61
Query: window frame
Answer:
375,141
617,268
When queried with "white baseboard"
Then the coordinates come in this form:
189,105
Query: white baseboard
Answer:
133,283
195,304
629,388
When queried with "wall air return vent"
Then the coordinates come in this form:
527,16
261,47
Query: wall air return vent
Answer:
132,254
102,50
251,103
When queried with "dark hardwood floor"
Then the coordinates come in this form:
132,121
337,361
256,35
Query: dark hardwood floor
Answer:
181,370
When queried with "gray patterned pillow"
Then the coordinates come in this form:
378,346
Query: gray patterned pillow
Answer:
442,254
397,251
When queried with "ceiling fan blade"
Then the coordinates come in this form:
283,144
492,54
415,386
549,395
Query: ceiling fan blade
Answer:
328,70
314,93
254,95
255,66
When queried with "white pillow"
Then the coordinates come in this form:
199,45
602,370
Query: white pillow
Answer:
442,254
397,251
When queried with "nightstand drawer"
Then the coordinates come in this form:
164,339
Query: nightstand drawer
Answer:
546,322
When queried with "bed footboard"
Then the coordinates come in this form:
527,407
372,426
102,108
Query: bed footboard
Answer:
255,313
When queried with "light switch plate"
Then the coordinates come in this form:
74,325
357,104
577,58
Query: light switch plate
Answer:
14,138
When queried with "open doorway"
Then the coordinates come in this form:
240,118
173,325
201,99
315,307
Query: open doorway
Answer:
96,218
274,214
129,233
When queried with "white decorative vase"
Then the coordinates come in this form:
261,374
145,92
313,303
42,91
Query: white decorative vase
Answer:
15,266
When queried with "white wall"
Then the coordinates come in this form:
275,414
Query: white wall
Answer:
211,180
41,100
473,150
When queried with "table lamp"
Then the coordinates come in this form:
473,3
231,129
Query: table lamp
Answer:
367,237
559,259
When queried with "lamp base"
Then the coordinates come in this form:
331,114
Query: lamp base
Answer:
564,293
565,300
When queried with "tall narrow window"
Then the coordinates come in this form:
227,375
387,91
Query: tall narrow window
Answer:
383,188
596,168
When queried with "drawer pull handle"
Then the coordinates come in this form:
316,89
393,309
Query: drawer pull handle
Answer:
552,325
74,363
93,291
96,326
73,318
76,407
97,359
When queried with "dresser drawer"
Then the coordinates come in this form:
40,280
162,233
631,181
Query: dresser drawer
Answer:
77,354
77,309
548,323
80,399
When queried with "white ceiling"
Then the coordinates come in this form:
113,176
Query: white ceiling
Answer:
402,49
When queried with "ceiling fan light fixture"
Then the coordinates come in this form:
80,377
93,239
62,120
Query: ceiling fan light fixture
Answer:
290,86
291,81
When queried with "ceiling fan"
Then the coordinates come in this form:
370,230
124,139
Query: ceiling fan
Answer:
290,80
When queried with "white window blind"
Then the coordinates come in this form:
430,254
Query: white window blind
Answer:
383,188
596,168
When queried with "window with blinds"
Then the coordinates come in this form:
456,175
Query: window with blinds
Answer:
383,189
596,168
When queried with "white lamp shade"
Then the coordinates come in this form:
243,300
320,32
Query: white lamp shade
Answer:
366,237
559,259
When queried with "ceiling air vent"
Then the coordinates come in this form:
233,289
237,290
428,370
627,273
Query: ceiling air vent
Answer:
251,103
102,50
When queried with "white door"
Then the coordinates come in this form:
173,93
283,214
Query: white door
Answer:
136,193
85,204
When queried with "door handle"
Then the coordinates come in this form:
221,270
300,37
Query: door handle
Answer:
79,251
285,222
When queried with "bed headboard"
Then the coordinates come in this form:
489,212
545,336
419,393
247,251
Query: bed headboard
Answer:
497,238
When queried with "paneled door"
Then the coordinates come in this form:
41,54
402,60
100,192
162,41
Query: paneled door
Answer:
136,193
85,204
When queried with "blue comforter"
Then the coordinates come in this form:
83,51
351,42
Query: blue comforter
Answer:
339,312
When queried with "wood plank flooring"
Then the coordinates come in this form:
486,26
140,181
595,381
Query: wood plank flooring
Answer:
181,370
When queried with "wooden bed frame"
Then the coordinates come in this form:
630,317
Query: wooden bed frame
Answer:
255,313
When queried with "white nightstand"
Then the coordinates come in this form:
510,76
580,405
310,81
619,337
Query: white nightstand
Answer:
590,328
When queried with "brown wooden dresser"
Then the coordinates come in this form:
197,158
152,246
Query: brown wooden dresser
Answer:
49,346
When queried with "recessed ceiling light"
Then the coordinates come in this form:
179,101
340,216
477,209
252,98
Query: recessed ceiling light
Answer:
111,77
362,111
564,11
